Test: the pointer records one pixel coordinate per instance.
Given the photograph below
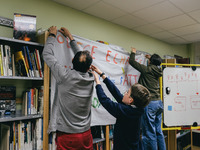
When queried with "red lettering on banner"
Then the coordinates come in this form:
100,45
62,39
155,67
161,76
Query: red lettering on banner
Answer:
127,61
128,77
126,80
68,46
108,55
114,58
79,43
85,47
122,59
58,39
135,76
92,51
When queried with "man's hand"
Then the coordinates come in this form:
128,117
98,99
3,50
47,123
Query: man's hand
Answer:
133,50
53,30
66,33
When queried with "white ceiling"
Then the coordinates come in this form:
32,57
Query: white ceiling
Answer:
172,21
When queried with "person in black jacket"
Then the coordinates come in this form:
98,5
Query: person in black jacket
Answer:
128,111
152,135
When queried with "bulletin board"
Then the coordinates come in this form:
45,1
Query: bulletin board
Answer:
181,96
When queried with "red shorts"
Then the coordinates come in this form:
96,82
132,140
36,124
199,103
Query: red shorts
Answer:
74,141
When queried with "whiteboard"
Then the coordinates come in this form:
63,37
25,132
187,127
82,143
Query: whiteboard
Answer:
182,104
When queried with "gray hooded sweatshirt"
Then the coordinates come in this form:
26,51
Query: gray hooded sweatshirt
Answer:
75,91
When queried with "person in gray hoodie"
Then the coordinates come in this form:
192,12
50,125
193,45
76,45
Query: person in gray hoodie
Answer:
152,135
75,88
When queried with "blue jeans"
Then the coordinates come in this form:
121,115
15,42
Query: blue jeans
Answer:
152,135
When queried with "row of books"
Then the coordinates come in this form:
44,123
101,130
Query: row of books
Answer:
98,133
32,102
99,146
23,62
22,135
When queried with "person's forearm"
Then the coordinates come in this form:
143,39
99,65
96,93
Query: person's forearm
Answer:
48,54
74,46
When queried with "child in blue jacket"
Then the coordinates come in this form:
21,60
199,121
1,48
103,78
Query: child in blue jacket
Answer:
128,111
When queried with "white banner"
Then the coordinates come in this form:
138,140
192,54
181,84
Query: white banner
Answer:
111,59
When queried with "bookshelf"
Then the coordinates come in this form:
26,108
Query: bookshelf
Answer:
102,137
22,84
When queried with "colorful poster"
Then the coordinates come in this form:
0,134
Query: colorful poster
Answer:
111,59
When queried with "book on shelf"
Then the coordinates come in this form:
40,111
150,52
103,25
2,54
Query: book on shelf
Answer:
26,60
7,100
32,102
98,146
24,27
21,135
21,64
5,61
25,103
38,61
1,61
13,65
10,72
35,69
31,73
4,136
8,61
18,106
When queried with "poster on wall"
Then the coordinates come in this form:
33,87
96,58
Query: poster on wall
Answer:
24,27
111,59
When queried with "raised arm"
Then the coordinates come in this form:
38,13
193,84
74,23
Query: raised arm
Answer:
107,103
111,87
57,69
73,43
140,67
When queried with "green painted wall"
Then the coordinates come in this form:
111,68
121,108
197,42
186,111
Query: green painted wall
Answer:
50,13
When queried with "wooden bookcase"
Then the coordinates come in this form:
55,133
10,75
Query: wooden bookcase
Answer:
22,83
42,39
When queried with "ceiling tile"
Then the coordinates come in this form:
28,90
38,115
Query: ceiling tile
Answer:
104,11
195,15
129,21
175,22
77,4
176,40
152,14
148,29
163,35
186,30
187,5
161,19
192,37
132,5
